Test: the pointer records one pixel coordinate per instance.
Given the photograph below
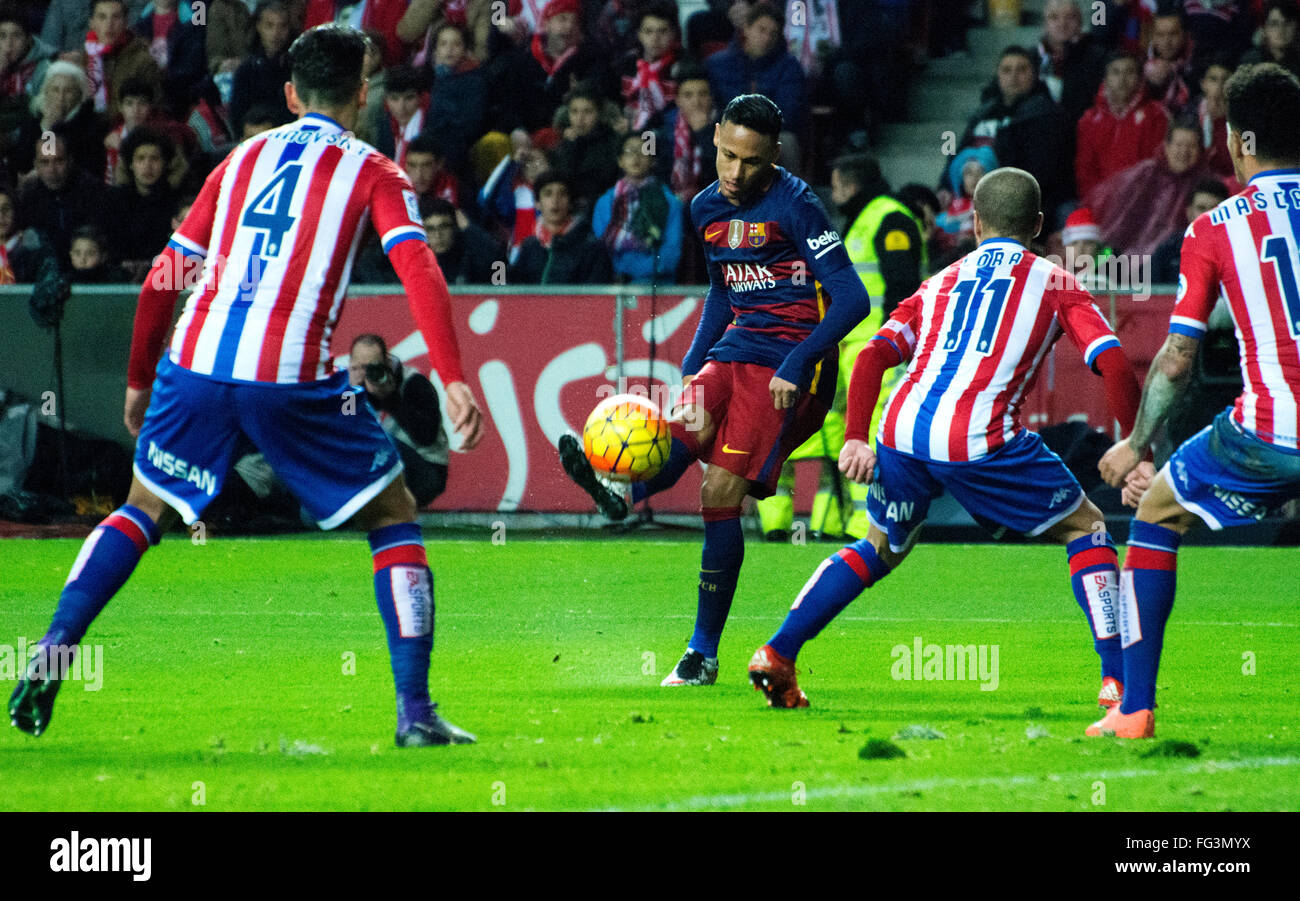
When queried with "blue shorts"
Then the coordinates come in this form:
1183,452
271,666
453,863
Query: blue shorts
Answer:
1228,477
1021,487
322,439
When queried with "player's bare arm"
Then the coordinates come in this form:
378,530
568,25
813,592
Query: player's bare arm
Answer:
1170,373
857,460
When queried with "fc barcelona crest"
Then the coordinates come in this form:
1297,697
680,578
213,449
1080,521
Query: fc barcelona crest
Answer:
757,234
736,233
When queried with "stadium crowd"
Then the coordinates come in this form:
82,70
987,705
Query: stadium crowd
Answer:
560,141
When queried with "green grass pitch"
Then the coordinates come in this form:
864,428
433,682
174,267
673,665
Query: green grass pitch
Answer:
253,675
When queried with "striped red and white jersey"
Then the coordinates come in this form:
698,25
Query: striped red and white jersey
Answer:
278,223
1245,250
975,335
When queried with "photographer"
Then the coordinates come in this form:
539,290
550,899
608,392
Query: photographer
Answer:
407,404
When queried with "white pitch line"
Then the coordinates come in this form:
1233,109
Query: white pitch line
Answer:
706,802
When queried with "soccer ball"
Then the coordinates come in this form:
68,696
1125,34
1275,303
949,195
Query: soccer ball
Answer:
626,438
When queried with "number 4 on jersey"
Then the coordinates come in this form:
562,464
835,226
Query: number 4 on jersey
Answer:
269,211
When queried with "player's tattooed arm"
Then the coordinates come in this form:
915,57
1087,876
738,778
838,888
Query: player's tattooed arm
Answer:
1170,373
1167,379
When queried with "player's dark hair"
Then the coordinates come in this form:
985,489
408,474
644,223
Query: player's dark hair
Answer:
326,62
1212,186
551,177
403,78
426,143
1264,102
436,206
1008,201
755,112
765,10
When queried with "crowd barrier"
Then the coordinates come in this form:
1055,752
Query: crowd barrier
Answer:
538,359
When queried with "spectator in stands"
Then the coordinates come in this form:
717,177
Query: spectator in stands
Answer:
1070,62
423,21
1206,195
261,76
710,30
88,260
21,250
458,101
159,25
1223,26
229,24
758,62
639,220
381,16
964,172
588,156
1026,129
1085,252
426,168
23,61
62,102
372,70
1279,42
617,23
114,55
508,201
62,197
143,204
467,254
688,129
1168,69
562,249
924,204
556,60
1123,127
1212,117
1136,208
405,102
138,108
67,21
263,117
813,33
645,74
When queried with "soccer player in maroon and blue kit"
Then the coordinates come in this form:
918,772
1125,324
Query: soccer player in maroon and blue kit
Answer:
760,372
274,233
1246,464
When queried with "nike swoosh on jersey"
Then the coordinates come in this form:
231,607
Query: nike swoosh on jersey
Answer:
727,450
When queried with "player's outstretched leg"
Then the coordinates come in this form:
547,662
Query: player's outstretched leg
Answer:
838,580
1147,598
106,561
1094,577
578,468
404,592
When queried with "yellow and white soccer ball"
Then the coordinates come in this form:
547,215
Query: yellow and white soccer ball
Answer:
626,438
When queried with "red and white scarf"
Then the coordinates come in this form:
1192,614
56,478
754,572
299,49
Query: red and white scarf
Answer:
7,276
649,91
550,65
402,137
546,235
96,53
618,236
113,154
687,161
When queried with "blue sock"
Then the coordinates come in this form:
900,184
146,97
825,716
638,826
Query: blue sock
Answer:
106,561
840,578
724,551
1094,576
1147,597
404,592
680,457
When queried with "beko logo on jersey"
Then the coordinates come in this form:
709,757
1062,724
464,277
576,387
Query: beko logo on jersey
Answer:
748,278
828,239
177,468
